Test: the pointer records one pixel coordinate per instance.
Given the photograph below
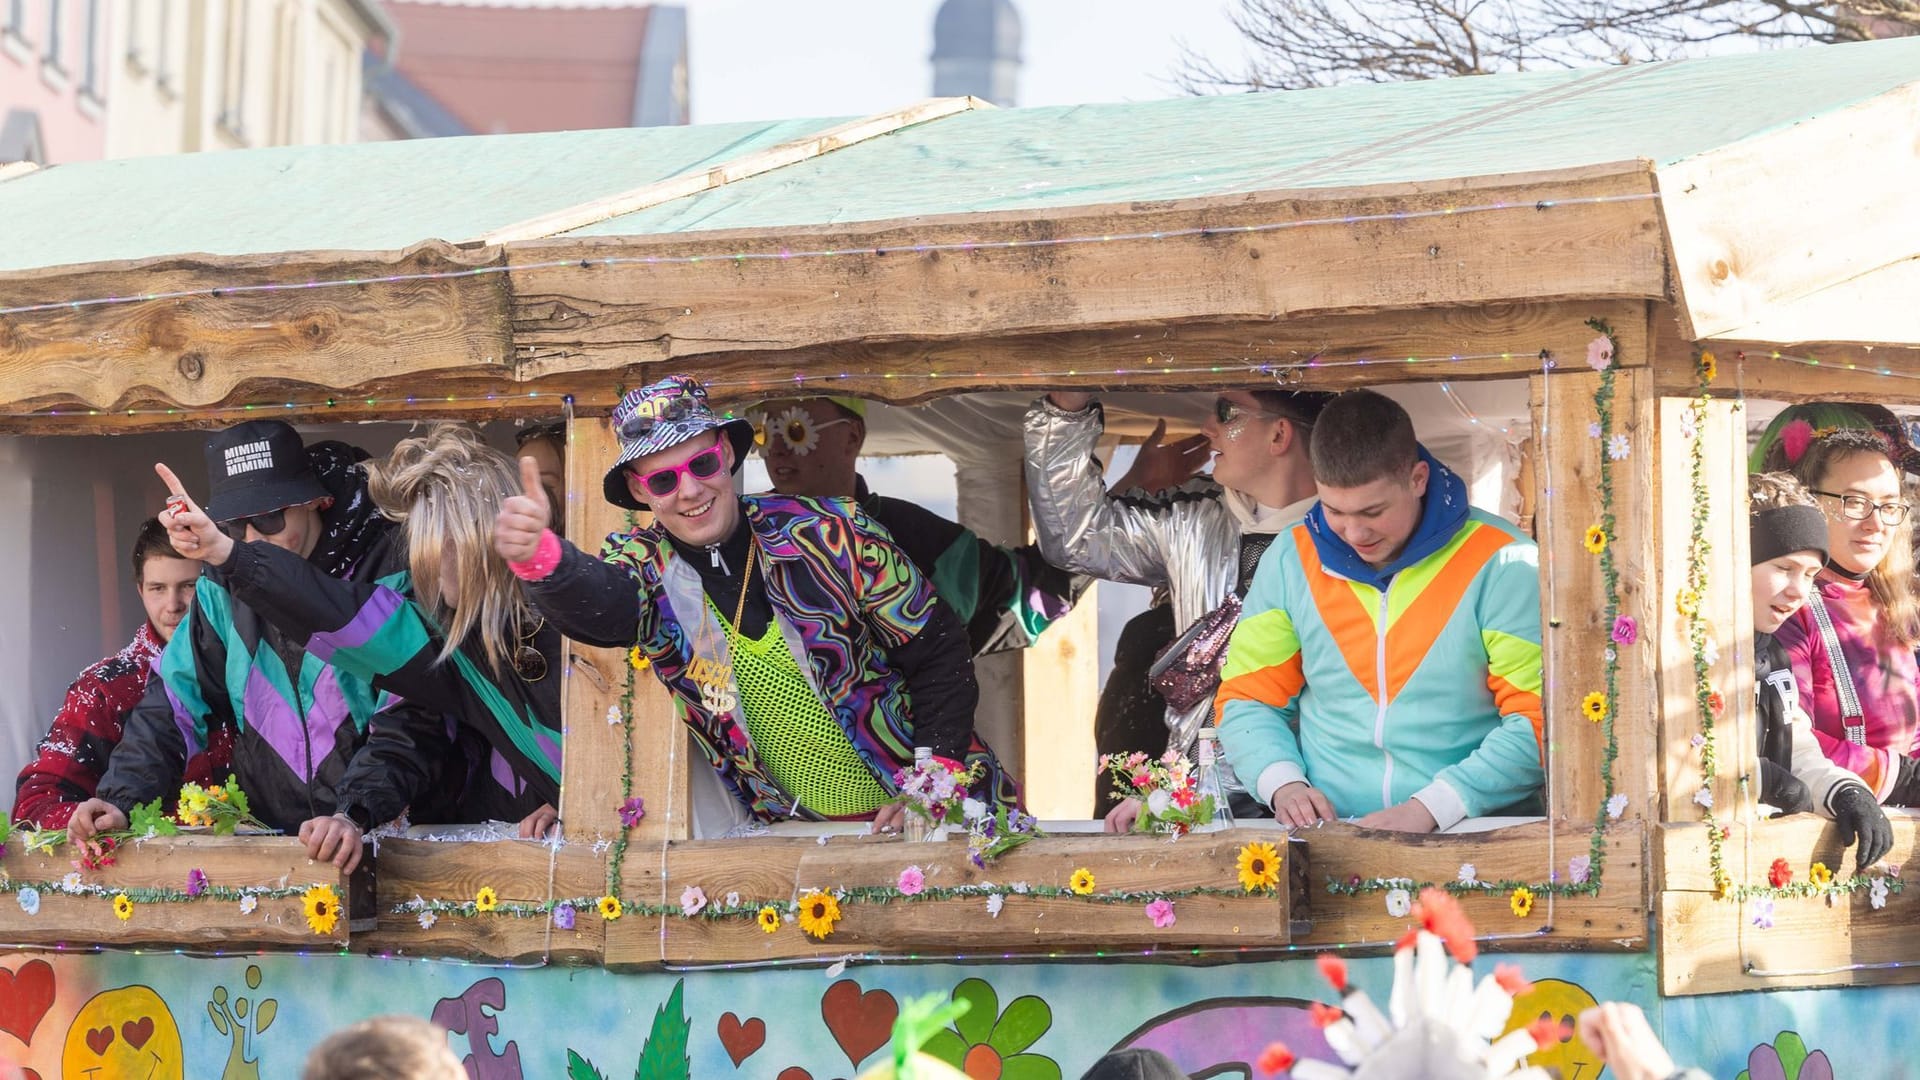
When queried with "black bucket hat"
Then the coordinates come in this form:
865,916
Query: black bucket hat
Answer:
256,468
662,415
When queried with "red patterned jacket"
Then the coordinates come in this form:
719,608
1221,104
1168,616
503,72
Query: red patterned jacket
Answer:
73,756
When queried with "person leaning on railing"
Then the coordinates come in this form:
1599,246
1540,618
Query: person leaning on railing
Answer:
1387,665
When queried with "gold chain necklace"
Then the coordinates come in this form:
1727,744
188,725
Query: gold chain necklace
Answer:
740,609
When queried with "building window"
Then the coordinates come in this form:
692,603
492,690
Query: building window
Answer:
90,59
55,17
233,109
162,56
16,24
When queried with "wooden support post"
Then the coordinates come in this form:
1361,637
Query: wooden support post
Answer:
1573,591
590,792
1062,691
1725,608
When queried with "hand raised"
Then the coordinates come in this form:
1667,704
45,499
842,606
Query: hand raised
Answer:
1159,466
523,518
192,532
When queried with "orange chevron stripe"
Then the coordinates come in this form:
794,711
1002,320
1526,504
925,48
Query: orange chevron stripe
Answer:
1420,624
1342,612
1275,686
1510,699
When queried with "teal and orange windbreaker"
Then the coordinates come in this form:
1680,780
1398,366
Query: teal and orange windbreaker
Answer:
1422,683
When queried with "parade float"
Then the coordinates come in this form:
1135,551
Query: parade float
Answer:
1631,254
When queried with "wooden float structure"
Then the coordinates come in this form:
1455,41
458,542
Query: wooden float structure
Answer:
1757,207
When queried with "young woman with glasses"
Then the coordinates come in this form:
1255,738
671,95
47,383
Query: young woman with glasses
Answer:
1852,646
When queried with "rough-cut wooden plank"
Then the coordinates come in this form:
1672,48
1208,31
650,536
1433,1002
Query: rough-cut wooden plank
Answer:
1802,840
590,792
599,314
1725,608
517,870
1169,357
1711,946
1573,590
206,350
760,869
787,153
1846,370
1733,266
163,862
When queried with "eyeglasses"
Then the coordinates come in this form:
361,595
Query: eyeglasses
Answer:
704,465
640,425
267,524
1859,508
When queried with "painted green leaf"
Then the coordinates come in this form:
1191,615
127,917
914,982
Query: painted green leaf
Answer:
1029,1067
1793,1053
1025,1020
977,1026
665,1056
219,1017
947,1047
1744,1075
579,1068
263,1016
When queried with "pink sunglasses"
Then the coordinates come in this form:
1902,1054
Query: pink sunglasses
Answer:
704,465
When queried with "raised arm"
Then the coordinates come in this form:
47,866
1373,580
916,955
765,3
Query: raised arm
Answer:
1081,527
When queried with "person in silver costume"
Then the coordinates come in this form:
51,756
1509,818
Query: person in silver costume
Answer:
1200,540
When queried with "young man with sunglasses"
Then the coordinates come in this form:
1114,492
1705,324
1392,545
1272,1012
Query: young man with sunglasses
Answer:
1387,664
295,722
1200,540
809,654
1005,595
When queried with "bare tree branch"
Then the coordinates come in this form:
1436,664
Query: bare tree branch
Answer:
1301,43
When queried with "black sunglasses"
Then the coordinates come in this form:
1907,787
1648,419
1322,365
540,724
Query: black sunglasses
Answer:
267,524
639,426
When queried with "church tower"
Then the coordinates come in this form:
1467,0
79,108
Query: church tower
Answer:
976,50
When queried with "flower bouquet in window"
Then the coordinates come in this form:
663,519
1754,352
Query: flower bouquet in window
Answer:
1173,801
934,791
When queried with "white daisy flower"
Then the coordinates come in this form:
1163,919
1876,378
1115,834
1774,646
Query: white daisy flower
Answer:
795,428
427,919
1876,893
248,903
1616,806
1399,903
995,903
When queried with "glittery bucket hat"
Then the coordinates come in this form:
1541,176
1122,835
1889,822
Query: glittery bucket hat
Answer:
661,415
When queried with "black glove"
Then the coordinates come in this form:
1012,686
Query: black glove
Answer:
1857,815
1782,790
1906,783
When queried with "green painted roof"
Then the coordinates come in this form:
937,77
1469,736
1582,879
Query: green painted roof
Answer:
377,196
386,196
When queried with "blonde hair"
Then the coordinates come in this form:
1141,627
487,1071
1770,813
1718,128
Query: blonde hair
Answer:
385,1048
1772,490
1890,583
444,489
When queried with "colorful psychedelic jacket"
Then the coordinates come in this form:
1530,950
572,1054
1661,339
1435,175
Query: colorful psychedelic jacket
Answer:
844,596
296,722
1417,680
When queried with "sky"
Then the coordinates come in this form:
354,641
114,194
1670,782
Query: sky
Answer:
774,59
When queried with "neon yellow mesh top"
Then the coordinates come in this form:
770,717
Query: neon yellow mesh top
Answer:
801,743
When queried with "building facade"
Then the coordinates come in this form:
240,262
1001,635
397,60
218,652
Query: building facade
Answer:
53,56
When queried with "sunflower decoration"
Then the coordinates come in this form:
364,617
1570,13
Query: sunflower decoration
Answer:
1686,602
636,659
1259,866
768,918
795,428
1595,540
486,899
1520,901
1081,882
122,907
610,908
1709,367
1594,706
321,905
1820,875
818,912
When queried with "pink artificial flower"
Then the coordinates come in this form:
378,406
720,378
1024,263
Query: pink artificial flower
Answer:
196,882
693,900
1142,781
1796,437
1625,630
1184,797
1161,912
1600,353
1579,869
632,811
912,881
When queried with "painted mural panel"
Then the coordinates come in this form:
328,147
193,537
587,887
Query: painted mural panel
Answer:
169,1017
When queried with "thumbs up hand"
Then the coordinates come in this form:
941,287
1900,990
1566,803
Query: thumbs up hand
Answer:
523,518
193,533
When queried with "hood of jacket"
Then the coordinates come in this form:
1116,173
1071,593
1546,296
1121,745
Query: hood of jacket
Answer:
1443,511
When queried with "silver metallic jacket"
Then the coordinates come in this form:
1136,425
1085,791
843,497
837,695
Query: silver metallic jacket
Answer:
1183,540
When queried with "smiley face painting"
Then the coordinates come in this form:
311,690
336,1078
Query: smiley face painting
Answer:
123,1034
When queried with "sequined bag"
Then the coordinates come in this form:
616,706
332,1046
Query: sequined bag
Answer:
1187,672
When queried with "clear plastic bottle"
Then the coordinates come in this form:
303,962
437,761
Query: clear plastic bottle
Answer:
1206,751
914,826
